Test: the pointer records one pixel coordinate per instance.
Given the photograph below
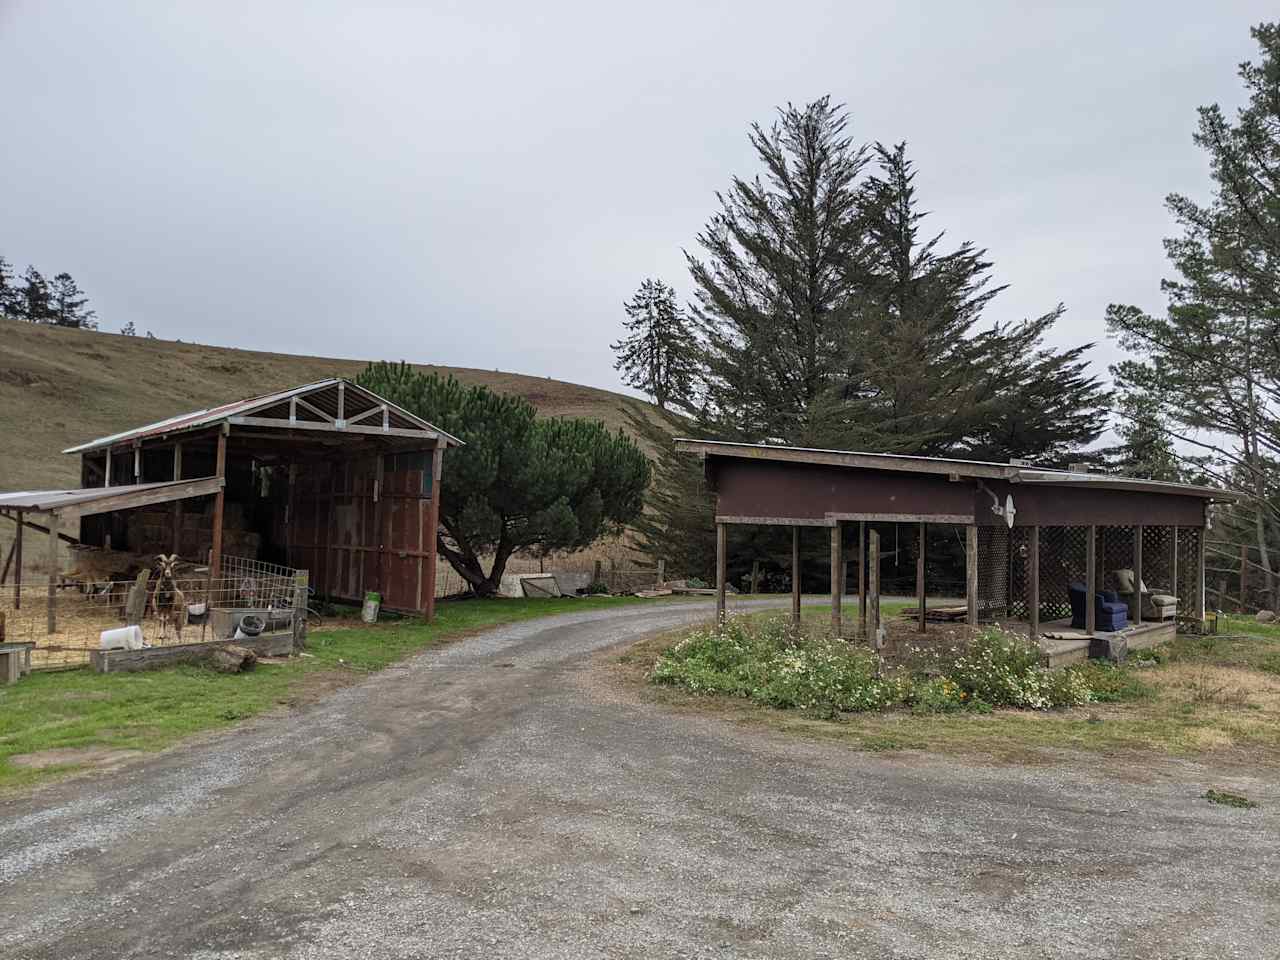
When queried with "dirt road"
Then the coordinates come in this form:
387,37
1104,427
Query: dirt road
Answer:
497,798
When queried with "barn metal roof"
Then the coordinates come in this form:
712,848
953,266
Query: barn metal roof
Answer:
100,499
322,395
981,469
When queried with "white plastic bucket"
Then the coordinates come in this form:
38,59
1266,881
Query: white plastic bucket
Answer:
121,638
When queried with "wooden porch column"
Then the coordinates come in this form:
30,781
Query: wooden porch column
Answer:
837,567
1033,583
1200,564
795,575
920,600
722,567
1090,584
873,589
219,503
54,522
107,473
433,528
177,504
971,574
17,564
1173,570
862,579
1137,574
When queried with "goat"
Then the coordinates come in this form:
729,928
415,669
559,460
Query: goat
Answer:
168,602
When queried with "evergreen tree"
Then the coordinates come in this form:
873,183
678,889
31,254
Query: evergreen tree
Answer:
657,355
1213,358
520,481
68,304
129,330
36,303
10,295
1146,449
775,295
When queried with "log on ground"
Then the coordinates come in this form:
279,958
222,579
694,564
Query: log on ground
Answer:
233,659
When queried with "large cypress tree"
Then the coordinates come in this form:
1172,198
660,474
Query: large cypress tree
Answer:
36,303
1213,357
658,354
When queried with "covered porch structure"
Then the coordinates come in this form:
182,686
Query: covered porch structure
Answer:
1075,559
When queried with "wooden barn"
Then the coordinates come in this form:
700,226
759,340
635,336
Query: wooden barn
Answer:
326,477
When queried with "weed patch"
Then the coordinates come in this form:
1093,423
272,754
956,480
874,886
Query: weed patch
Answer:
1228,799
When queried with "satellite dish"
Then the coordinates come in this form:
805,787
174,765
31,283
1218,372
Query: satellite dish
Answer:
1009,510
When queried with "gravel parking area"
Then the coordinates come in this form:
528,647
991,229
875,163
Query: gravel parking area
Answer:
500,798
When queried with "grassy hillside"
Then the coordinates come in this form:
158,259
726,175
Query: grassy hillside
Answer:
62,387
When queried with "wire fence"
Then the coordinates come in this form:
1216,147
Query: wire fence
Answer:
193,607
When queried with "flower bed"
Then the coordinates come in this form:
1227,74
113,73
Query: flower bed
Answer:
772,662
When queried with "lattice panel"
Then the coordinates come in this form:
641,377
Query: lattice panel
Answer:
1157,559
1115,552
1062,562
1019,572
1188,571
993,573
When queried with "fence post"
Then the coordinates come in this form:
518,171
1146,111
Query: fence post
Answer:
300,583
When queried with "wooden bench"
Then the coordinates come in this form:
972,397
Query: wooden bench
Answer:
15,660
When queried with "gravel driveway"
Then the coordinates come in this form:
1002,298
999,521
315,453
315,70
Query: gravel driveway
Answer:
498,798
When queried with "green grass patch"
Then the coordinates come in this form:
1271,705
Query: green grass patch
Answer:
1227,799
153,709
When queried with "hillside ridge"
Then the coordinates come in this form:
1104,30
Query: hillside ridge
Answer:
60,387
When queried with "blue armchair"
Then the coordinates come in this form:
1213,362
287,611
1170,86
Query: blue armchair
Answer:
1111,614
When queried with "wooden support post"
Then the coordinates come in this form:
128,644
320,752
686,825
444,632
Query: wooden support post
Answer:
342,409
1200,565
17,564
8,562
837,565
1033,583
971,575
873,590
107,481
722,568
433,529
795,575
862,579
662,572
300,597
920,596
177,504
54,521
1173,569
137,463
219,505
755,576
1090,582
1137,574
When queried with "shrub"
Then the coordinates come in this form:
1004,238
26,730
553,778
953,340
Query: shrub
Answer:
1003,669
938,695
596,588
771,663
1109,683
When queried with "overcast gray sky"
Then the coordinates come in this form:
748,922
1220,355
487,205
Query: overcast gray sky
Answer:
483,184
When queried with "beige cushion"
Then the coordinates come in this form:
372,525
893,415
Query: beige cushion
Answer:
1124,579
1163,599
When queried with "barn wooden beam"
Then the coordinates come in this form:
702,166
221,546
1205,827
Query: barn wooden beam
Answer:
1090,584
1033,583
971,575
332,428
722,548
920,596
1137,574
862,579
52,616
219,504
795,575
837,571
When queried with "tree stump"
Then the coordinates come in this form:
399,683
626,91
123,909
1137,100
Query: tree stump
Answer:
233,659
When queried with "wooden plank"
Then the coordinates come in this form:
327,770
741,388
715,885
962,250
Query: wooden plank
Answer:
219,505
1200,564
722,547
1137,574
1173,566
1090,582
956,518
17,564
177,504
330,428
971,575
1033,583
795,575
107,482
52,616
920,596
873,589
862,579
837,568
8,562
777,521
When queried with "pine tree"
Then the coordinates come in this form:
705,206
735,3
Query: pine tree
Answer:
129,330
36,304
657,356
10,295
68,304
1213,357
1146,449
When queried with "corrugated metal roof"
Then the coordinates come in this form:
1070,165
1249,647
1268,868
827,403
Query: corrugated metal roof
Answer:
43,500
213,415
986,469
